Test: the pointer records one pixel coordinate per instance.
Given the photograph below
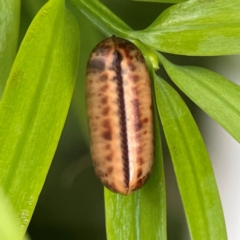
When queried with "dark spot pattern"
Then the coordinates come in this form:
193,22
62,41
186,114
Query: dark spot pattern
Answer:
134,77
102,49
104,88
103,77
140,161
139,57
131,66
110,169
105,111
96,65
137,115
106,124
109,157
145,120
139,173
104,100
137,126
107,135
108,146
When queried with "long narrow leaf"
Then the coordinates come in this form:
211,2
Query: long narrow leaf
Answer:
102,17
161,1
35,104
9,25
216,95
192,166
199,28
9,225
142,215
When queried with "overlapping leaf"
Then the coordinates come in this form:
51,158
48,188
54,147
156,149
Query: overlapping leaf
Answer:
35,104
192,166
9,225
199,28
216,95
101,16
9,24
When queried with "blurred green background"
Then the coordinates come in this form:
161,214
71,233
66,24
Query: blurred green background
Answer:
71,204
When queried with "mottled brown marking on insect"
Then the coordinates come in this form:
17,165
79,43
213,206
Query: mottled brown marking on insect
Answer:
145,120
105,111
102,49
103,77
113,187
106,124
96,65
95,129
138,126
139,57
114,78
139,173
136,113
135,103
100,173
134,77
108,146
119,72
104,100
109,157
107,135
104,87
110,169
140,161
147,175
131,66
138,184
110,185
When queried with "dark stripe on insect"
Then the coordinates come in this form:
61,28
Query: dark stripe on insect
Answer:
122,118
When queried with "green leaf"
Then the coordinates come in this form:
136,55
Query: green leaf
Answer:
161,1
9,225
9,26
102,17
35,104
33,6
199,28
216,95
142,215
192,166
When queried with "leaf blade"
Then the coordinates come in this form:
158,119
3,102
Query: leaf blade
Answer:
192,166
213,93
9,24
9,225
102,17
196,28
35,104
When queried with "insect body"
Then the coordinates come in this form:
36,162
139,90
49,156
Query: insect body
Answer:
119,107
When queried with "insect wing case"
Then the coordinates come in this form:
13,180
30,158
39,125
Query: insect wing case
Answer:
120,118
